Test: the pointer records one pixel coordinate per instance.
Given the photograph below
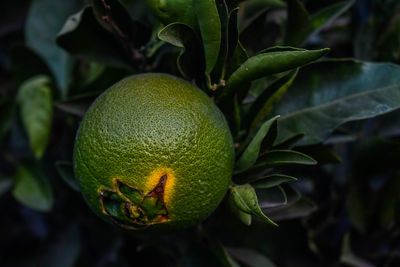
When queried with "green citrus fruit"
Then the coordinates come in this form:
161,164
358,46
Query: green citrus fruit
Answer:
153,150
169,11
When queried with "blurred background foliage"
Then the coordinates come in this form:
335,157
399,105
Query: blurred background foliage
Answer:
344,211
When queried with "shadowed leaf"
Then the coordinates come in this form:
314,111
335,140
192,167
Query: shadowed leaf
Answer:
35,106
32,190
245,198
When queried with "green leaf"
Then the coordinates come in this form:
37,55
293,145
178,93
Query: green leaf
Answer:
276,158
301,25
81,35
44,21
115,18
250,257
245,198
191,59
266,101
66,171
35,106
77,105
217,74
298,22
328,94
210,28
31,189
241,215
272,180
327,15
270,63
250,155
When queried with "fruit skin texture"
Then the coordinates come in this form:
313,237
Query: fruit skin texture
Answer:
147,126
169,11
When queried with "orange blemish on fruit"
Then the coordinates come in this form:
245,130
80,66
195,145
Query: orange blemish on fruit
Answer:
161,174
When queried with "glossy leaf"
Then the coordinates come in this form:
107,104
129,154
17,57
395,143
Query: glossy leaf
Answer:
210,28
81,35
272,180
245,198
66,171
32,190
270,63
191,59
265,102
328,94
275,158
35,106
42,27
250,154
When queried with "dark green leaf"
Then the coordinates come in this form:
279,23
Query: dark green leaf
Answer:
272,180
250,155
298,23
32,190
328,94
191,59
77,105
250,257
44,21
81,35
327,15
233,34
270,63
114,17
217,73
322,153
245,198
266,101
210,28
66,171
35,106
275,158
